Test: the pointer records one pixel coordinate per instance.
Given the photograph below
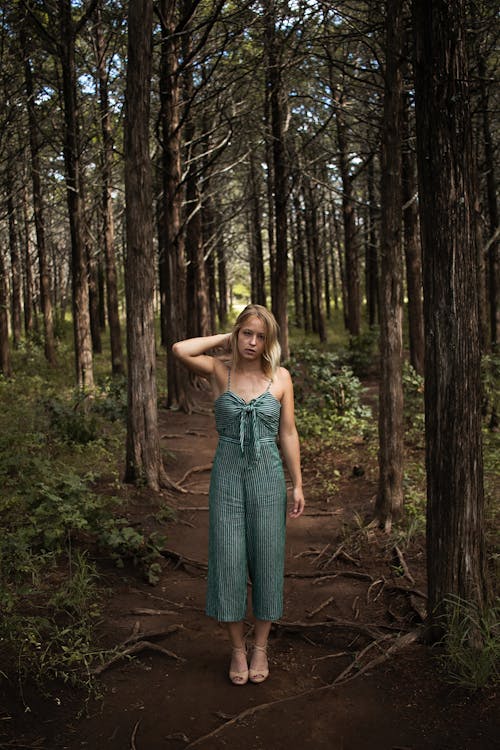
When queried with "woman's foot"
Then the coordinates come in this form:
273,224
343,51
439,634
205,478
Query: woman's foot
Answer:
238,671
259,667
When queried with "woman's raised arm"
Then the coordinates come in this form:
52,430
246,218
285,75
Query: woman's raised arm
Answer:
191,352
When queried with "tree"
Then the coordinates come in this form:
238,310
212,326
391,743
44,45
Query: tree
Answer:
143,459
107,203
455,496
389,504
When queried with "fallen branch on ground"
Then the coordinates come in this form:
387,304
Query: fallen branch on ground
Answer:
193,507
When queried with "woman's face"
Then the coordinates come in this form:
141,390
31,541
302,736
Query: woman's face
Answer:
252,338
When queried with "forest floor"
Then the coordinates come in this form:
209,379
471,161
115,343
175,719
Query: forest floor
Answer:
353,602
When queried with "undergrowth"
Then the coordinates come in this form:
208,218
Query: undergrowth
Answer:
53,519
471,644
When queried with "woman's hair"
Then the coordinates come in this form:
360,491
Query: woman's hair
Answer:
272,350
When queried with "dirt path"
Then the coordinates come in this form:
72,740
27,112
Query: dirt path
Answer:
155,701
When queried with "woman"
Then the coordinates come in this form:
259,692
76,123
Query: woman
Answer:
254,403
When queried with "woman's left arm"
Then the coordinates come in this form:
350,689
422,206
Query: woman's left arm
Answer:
289,442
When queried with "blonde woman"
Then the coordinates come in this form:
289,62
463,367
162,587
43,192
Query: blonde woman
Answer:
253,405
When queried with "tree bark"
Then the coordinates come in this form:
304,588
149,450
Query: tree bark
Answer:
455,509
143,458
389,503
38,209
353,298
79,270
29,323
256,248
412,250
274,77
15,260
172,242
113,314
5,358
372,280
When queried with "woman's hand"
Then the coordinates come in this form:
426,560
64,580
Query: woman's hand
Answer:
298,502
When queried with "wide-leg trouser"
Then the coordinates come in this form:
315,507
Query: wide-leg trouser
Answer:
246,532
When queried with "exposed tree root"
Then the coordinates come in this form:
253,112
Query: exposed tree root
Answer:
403,564
133,746
135,648
332,574
195,470
192,507
152,612
344,677
181,560
370,631
321,606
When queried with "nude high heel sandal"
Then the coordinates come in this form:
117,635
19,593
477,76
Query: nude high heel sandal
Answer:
259,675
238,678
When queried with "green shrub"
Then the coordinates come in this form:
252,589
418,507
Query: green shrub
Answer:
327,393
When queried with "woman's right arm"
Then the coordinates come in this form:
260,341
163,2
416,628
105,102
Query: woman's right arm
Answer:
191,352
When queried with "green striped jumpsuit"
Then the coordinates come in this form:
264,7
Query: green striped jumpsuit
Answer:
247,502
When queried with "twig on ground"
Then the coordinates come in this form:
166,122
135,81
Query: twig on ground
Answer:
135,648
331,656
133,746
323,512
197,492
375,583
332,574
321,606
403,564
171,436
355,607
178,736
194,470
197,433
321,554
152,612
182,560
136,636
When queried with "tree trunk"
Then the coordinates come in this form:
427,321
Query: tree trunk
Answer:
353,299
412,250
256,249
143,458
29,323
81,314
115,337
493,262
15,260
5,358
221,281
172,241
455,509
389,503
372,281
38,209
277,103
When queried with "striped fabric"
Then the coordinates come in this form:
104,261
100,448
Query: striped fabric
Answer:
247,510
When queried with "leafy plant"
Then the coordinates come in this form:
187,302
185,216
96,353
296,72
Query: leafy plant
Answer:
328,394
471,643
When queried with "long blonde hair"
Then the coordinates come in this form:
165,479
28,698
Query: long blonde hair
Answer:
272,350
